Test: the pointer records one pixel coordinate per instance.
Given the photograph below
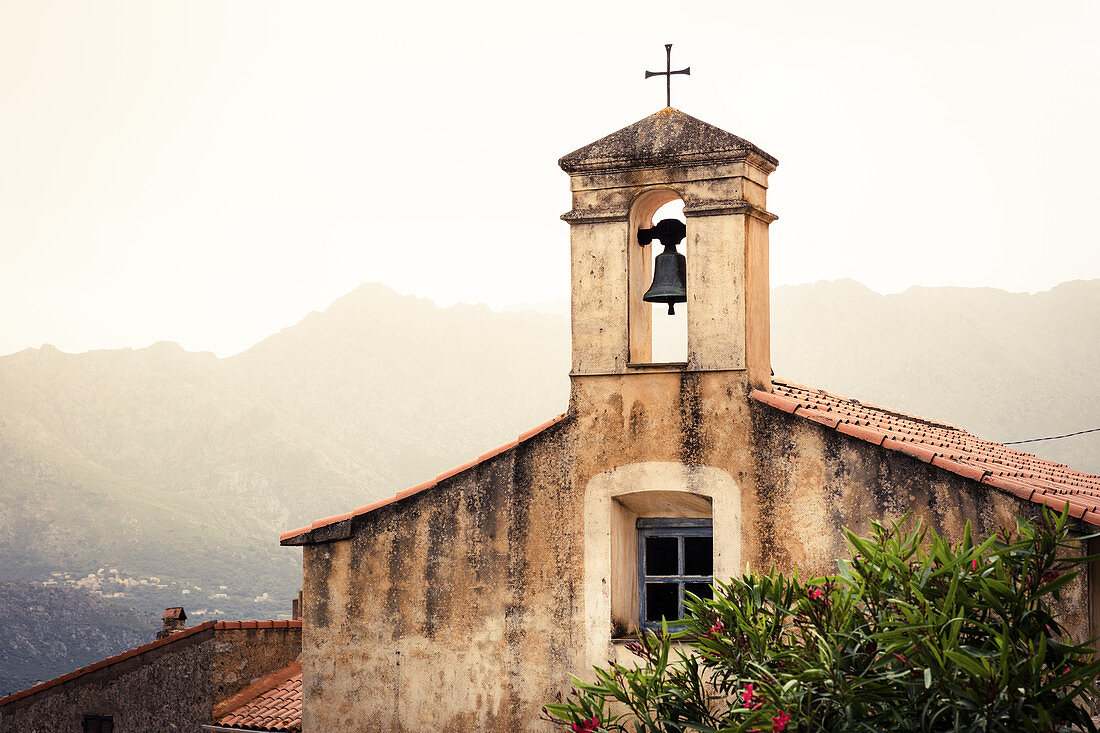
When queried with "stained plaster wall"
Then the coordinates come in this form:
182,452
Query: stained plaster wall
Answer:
456,609
812,481
467,606
171,688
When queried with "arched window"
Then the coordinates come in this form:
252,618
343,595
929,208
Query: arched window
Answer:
672,502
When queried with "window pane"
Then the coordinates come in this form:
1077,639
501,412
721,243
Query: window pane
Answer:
98,724
700,589
661,556
662,600
698,556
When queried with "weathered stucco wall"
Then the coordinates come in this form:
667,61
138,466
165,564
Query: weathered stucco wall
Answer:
468,605
456,609
173,687
812,481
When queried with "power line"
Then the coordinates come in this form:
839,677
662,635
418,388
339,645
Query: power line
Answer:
1053,437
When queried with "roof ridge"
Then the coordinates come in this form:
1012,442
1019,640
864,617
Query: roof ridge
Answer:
947,447
888,410
367,508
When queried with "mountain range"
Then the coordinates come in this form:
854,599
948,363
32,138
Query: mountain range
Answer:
136,479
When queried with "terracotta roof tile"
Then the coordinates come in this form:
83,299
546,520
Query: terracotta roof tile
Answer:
409,492
293,533
272,703
951,463
859,431
527,435
330,520
497,451
455,471
945,446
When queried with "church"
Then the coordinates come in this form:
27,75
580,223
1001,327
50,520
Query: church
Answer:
465,603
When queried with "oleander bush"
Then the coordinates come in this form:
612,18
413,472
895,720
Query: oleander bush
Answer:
913,634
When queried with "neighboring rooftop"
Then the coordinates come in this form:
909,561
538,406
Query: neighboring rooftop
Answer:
272,703
145,648
666,137
946,446
174,613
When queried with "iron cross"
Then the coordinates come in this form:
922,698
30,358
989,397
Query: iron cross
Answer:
667,74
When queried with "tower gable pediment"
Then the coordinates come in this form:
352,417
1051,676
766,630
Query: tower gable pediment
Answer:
667,137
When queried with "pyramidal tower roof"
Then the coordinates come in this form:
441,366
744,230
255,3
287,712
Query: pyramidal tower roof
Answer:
666,137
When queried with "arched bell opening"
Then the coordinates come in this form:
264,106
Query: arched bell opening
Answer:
656,335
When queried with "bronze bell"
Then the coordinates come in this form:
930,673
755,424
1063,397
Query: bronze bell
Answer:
670,268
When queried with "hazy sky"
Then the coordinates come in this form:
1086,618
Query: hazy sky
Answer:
209,172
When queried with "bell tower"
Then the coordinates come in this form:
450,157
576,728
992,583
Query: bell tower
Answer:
618,183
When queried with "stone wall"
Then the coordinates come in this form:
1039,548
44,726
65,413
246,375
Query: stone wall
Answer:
172,686
243,654
167,689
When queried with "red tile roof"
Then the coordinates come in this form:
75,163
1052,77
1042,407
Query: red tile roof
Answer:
327,521
205,626
946,446
272,703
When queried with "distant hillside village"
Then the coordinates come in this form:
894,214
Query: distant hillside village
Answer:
466,601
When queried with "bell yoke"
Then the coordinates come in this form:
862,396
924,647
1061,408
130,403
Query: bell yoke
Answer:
670,268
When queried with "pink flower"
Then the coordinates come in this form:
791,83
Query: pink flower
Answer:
779,722
746,696
718,628
974,564
816,593
587,726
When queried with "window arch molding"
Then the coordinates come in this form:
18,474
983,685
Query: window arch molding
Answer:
613,501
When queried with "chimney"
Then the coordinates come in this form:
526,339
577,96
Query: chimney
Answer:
175,620
296,607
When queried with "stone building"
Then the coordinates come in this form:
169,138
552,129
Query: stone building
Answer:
465,602
175,620
185,679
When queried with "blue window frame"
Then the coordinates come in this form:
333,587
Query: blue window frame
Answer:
674,556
